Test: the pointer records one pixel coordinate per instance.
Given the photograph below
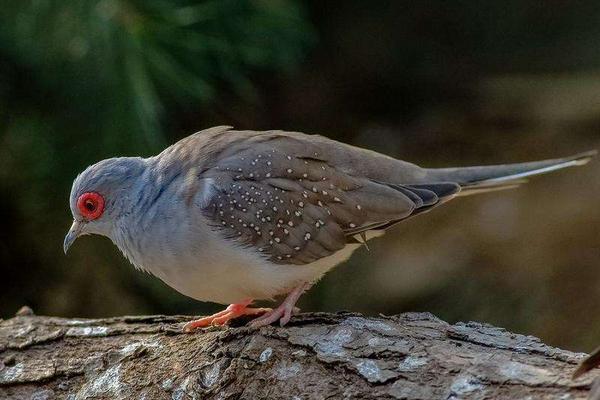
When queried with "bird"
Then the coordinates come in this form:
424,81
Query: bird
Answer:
236,216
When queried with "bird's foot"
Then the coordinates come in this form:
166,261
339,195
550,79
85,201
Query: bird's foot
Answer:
223,317
284,312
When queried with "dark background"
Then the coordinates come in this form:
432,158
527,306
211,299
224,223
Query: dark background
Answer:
433,82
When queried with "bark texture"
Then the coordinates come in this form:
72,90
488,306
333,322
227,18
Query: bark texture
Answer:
317,356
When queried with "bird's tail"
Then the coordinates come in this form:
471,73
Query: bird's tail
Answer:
475,180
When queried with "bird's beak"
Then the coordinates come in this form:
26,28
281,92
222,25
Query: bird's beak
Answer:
73,234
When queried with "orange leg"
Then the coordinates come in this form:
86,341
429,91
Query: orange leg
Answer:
223,317
284,312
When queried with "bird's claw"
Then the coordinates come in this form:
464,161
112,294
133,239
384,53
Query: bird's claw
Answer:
224,317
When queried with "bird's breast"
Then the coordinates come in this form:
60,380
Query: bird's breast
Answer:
194,259
174,241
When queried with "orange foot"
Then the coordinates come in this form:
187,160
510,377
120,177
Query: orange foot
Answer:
284,312
223,317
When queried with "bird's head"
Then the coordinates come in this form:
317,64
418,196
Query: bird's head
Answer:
102,194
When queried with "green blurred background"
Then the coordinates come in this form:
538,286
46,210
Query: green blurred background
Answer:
434,82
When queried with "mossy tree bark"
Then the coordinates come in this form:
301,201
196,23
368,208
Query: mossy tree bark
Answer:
317,356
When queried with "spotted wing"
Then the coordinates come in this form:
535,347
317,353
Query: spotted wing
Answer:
297,208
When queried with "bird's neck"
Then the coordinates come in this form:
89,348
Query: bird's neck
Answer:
125,238
130,227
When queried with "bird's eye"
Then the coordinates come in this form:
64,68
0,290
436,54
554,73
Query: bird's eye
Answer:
90,205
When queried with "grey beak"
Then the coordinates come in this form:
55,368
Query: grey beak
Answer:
73,234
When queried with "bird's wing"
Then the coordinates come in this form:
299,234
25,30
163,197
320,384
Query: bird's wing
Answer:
293,203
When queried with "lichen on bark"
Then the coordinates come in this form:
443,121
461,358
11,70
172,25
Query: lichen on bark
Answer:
317,356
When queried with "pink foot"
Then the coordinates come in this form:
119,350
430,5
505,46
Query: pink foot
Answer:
223,317
284,312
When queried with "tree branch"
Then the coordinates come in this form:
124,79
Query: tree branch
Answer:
320,356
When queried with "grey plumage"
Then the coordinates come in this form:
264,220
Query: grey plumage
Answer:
284,203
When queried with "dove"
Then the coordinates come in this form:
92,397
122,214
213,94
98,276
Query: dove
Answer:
233,217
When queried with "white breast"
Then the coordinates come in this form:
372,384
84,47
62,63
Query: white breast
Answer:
199,263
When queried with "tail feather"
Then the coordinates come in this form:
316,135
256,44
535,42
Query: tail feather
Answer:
478,188
499,177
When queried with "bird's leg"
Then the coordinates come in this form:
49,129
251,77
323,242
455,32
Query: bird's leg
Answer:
223,317
284,312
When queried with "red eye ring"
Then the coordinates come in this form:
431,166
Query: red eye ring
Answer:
90,205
